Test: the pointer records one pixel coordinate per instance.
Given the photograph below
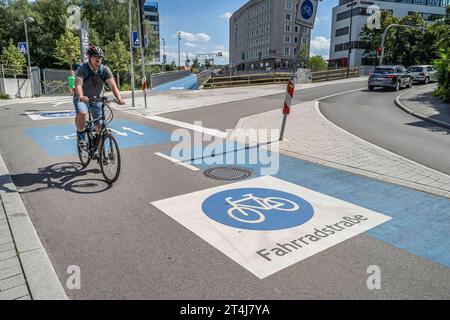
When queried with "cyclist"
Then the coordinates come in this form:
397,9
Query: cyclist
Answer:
90,83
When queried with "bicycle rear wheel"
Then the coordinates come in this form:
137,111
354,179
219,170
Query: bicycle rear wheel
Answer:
109,158
83,152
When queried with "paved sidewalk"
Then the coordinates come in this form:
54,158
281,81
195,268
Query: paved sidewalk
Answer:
25,269
311,137
421,103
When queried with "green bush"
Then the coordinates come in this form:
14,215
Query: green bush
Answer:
4,96
442,65
125,87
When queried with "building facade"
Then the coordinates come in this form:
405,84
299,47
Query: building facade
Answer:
151,10
341,27
264,36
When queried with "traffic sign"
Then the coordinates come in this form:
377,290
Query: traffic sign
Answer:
306,14
136,41
23,48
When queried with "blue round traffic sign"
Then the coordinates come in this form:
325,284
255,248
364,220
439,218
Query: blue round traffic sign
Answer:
258,209
307,9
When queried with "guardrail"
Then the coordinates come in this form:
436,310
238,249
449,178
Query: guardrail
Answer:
159,79
247,80
334,74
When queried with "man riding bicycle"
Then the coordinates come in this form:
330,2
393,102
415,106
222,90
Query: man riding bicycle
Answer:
89,84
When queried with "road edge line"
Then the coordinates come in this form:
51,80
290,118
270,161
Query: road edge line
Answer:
40,275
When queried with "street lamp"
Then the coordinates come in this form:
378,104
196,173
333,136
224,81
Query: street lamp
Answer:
28,19
130,31
350,38
385,32
179,58
163,53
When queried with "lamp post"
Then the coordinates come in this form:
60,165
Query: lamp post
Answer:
350,39
383,37
179,58
28,19
163,54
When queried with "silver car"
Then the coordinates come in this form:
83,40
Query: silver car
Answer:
423,73
395,77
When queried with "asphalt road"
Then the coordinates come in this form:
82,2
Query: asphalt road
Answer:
128,249
373,116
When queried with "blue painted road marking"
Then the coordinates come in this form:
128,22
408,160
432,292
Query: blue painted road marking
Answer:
62,114
258,209
420,221
186,83
60,141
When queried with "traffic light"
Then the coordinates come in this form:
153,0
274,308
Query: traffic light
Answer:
379,51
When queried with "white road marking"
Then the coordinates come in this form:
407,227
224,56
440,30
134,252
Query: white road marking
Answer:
189,126
129,129
123,134
177,162
338,94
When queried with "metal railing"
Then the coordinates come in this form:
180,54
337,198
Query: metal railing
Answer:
334,74
247,80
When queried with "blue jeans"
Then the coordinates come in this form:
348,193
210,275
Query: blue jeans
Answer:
96,109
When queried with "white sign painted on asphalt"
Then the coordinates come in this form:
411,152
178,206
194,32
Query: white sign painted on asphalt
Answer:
267,224
51,115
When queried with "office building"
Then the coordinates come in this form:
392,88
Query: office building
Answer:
151,10
263,35
343,14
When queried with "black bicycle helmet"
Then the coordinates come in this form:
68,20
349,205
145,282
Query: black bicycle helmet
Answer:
94,51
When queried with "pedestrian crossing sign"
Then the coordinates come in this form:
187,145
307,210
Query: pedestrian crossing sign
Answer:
23,47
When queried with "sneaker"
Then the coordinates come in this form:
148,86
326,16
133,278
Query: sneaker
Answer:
82,139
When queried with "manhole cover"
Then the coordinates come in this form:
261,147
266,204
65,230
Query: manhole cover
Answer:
228,173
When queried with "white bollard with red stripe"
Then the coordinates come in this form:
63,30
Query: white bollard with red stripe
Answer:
287,105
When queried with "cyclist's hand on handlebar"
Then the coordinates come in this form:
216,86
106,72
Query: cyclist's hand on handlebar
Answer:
84,99
120,101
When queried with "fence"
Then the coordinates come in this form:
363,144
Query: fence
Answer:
15,83
55,81
334,74
247,80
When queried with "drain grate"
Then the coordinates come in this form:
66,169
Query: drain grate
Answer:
228,173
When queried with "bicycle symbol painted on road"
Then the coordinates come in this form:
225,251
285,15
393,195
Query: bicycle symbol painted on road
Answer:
258,209
307,9
252,214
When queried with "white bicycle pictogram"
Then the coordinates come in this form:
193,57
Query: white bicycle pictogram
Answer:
251,213
307,10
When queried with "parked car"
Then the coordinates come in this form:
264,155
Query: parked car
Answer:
423,73
395,77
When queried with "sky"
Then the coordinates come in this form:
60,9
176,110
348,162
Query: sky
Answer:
204,25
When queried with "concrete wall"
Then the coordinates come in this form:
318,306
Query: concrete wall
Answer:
11,87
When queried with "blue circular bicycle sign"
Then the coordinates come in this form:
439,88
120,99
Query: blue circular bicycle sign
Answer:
307,9
258,209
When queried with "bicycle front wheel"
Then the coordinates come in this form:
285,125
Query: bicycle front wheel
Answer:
109,158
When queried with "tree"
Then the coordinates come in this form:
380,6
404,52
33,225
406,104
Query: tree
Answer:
67,50
318,63
117,57
13,59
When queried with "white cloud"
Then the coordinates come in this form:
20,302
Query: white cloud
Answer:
191,45
190,37
320,43
220,47
226,15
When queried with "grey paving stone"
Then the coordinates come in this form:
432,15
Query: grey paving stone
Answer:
5,238
9,263
6,247
12,282
25,298
10,272
8,254
14,293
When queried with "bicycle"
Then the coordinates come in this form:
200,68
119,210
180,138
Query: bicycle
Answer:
109,154
244,212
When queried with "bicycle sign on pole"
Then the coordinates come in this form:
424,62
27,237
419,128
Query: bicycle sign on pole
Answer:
306,16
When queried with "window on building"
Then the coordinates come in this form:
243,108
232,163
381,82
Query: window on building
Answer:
288,5
287,28
287,51
287,39
288,17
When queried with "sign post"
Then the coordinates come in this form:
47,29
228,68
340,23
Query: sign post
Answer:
306,16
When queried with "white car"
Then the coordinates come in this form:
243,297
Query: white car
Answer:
423,73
